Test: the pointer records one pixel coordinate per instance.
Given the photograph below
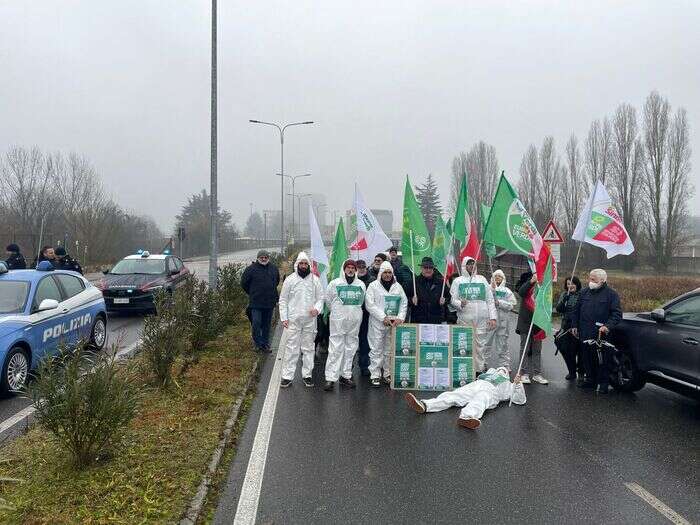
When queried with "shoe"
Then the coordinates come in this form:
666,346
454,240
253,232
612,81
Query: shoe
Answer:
587,385
347,382
364,372
415,403
539,379
285,383
471,423
309,382
525,379
328,386
266,350
602,389
376,382
570,377
386,380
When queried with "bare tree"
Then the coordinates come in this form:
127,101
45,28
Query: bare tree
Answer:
597,151
574,186
480,165
656,122
549,182
626,159
459,170
529,184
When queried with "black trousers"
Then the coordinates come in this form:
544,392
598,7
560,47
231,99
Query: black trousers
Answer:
363,349
570,349
598,364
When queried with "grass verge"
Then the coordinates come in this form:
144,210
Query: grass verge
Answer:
152,478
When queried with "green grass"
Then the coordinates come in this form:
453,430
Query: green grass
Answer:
153,476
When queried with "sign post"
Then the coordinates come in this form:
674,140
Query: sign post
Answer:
554,239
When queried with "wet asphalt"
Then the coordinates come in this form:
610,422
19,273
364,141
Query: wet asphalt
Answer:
361,456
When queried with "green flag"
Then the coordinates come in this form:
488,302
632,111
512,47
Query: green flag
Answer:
340,253
440,244
448,228
509,225
542,315
413,228
462,220
490,248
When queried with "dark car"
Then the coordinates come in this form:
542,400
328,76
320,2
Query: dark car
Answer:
131,284
662,346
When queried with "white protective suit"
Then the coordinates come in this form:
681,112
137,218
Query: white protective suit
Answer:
480,308
498,339
381,303
486,392
298,297
345,320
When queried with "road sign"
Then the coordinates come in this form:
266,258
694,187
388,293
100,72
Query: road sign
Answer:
552,234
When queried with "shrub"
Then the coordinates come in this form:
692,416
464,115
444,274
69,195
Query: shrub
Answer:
83,402
204,320
232,297
164,335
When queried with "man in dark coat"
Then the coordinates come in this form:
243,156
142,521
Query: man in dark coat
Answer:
374,269
597,312
47,254
260,282
363,350
15,260
427,303
403,274
66,262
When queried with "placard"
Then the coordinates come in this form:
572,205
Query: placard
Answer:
350,295
472,291
392,304
431,357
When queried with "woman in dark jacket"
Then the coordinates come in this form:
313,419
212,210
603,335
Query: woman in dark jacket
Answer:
568,345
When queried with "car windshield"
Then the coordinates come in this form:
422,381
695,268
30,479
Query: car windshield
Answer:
143,266
13,296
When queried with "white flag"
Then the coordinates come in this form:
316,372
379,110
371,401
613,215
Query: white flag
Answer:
371,239
600,225
319,257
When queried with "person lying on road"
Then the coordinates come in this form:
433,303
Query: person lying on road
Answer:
492,387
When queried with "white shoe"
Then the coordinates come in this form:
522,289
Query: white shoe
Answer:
525,379
539,379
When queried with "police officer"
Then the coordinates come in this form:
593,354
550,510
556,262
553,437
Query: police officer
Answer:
15,260
65,261
46,254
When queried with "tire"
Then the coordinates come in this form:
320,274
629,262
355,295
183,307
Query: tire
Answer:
15,371
627,376
98,335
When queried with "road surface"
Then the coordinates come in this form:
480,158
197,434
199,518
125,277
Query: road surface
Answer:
123,329
567,456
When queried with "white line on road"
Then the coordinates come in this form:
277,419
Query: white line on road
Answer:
252,484
657,504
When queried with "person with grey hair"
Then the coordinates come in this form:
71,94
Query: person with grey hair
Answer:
260,281
597,312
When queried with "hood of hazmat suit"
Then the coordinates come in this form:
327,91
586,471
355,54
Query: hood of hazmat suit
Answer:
345,302
476,291
381,302
300,295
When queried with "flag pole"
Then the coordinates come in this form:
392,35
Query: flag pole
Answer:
447,263
413,267
573,272
524,349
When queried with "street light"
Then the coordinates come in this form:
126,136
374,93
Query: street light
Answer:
281,129
298,223
294,179
213,194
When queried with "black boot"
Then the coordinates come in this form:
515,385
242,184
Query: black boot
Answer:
347,382
328,386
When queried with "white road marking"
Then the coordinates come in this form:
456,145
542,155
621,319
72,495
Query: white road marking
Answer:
657,504
247,510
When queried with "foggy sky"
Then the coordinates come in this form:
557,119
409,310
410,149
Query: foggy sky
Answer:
396,87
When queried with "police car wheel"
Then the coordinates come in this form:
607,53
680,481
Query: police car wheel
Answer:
98,337
15,370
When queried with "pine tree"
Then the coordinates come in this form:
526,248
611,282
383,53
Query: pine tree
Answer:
429,202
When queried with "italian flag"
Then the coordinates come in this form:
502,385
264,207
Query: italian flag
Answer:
464,227
542,316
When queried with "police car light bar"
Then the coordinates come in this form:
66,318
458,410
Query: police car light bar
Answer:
3,267
145,254
166,252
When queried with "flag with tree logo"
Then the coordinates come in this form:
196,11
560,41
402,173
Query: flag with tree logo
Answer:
415,239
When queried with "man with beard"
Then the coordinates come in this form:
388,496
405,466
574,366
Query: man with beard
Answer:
301,301
344,297
374,270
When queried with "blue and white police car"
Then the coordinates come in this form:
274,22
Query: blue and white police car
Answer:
40,309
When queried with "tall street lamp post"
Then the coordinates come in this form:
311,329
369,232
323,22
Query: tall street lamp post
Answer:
281,129
294,179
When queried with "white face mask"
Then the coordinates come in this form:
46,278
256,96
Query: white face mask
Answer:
593,286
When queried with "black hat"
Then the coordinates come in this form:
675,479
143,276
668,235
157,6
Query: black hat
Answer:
360,263
60,251
427,262
393,250
381,255
12,248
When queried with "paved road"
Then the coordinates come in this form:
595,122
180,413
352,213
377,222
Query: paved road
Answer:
355,456
126,329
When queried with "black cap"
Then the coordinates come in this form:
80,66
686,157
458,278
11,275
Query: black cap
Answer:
393,250
381,255
361,263
427,262
60,251
12,248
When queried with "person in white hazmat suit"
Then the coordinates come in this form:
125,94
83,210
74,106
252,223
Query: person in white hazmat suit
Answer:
497,340
386,303
344,297
300,302
472,297
492,387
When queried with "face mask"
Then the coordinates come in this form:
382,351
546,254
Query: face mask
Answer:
593,286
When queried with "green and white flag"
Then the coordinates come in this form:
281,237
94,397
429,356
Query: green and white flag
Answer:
414,228
340,252
509,225
542,316
488,247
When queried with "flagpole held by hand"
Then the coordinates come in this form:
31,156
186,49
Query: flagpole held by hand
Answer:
524,351
573,272
447,263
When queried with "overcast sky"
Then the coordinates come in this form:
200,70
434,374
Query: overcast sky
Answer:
395,87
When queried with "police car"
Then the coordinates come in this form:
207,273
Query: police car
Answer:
40,309
132,283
